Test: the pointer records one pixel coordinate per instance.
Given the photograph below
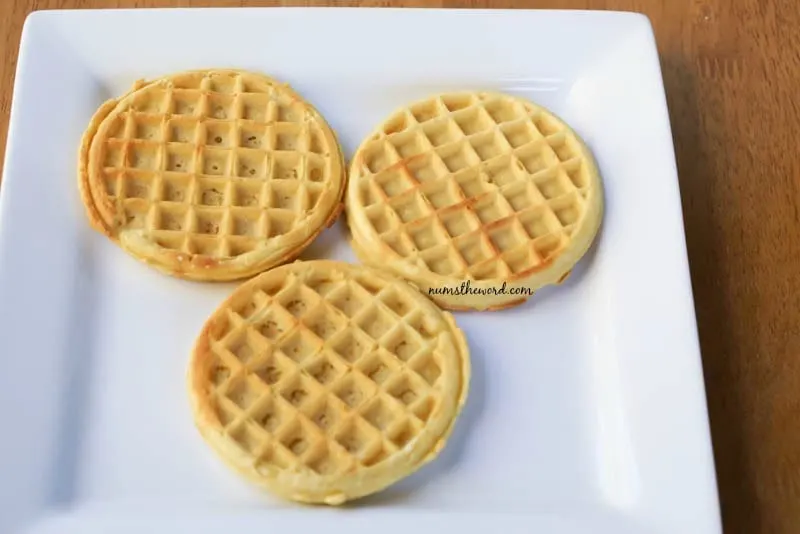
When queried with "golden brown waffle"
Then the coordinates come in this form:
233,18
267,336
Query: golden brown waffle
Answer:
211,175
483,188
324,381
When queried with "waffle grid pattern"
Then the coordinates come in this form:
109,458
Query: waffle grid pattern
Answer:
215,167
327,375
475,186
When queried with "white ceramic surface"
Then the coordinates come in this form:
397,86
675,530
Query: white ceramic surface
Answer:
587,409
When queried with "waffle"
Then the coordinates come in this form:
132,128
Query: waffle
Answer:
324,381
211,175
477,198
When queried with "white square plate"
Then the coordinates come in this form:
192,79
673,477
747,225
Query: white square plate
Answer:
587,409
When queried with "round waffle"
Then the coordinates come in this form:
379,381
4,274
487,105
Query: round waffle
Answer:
324,381
211,175
478,198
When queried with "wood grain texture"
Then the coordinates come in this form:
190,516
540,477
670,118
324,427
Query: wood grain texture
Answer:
732,72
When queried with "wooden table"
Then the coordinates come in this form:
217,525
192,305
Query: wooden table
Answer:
732,76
